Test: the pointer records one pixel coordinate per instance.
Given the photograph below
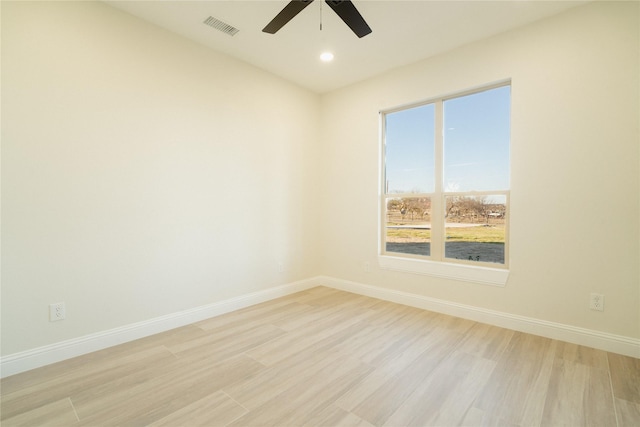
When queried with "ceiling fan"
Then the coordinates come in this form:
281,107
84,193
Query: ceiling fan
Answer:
344,8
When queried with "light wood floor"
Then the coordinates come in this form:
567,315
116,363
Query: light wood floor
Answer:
329,358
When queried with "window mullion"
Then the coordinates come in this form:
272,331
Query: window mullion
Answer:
437,202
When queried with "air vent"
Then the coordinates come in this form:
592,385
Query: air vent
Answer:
222,26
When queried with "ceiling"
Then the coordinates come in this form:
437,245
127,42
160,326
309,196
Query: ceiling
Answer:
403,32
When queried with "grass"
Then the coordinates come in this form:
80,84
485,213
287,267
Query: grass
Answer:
408,235
486,234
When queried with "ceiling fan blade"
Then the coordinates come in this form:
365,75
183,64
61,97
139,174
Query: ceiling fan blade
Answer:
350,15
293,8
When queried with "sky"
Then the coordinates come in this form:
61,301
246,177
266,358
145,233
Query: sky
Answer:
476,144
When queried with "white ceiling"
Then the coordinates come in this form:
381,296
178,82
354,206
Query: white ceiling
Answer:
403,32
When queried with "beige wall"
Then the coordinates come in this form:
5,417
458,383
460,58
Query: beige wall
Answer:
575,186
142,174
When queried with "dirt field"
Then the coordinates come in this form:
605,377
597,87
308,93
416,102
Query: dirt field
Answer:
476,251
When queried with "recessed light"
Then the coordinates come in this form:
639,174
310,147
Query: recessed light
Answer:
326,57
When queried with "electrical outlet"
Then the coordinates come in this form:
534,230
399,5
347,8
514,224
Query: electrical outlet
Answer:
57,312
366,266
281,267
596,302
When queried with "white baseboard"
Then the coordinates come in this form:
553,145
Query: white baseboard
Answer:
601,340
46,355
31,359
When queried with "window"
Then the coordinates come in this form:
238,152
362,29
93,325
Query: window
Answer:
445,170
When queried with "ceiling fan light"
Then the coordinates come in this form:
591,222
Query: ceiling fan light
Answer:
326,56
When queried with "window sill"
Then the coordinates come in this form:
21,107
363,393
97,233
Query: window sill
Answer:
467,273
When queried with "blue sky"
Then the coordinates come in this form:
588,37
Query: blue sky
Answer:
476,144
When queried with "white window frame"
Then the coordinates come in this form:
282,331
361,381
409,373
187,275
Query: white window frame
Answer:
436,264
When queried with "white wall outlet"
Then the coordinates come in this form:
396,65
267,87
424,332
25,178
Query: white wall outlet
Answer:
596,302
281,267
57,312
366,266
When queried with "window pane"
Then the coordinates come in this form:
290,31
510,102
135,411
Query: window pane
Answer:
408,226
475,228
476,141
409,145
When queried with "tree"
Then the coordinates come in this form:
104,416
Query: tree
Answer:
467,207
419,208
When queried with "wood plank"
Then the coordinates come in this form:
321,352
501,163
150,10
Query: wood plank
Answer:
376,344
447,394
58,413
217,409
583,355
486,341
578,395
385,400
219,345
263,313
84,379
302,402
258,389
515,394
361,392
625,377
310,337
157,398
327,357
336,417
97,359
628,413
